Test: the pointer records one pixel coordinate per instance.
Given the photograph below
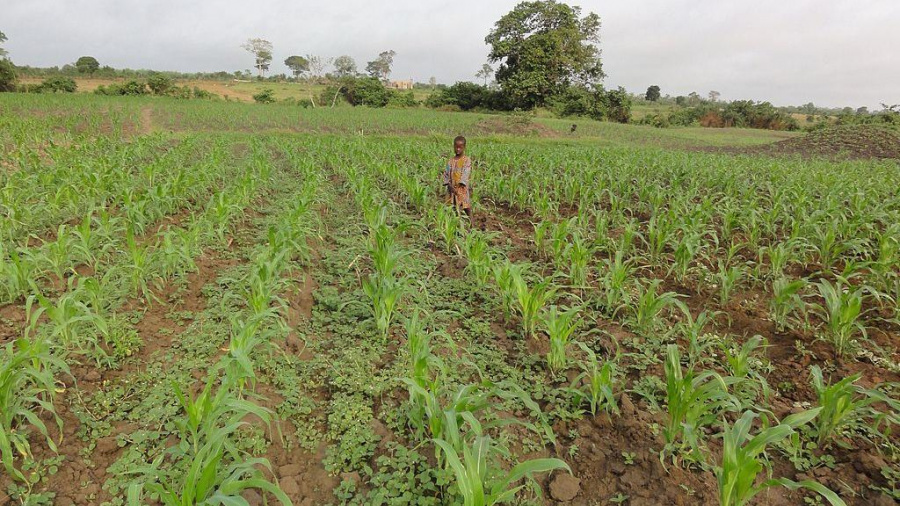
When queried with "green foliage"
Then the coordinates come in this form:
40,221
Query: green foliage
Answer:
7,75
652,94
130,88
58,84
559,325
479,478
538,64
845,405
380,68
87,65
530,300
367,91
841,312
741,460
160,84
266,96
596,383
694,402
297,64
26,389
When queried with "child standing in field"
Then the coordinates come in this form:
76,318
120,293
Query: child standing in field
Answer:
456,177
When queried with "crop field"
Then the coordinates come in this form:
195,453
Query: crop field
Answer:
226,303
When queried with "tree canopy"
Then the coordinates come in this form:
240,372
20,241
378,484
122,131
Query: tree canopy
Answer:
652,93
87,65
3,39
344,66
380,68
544,47
261,50
297,64
485,73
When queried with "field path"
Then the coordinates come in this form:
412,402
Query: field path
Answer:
146,120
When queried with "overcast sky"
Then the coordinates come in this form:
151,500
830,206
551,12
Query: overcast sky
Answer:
831,52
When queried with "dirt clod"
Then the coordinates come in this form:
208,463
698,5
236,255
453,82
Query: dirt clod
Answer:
565,487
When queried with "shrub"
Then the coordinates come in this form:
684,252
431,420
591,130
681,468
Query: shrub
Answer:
7,75
266,96
466,96
367,91
58,84
398,99
160,84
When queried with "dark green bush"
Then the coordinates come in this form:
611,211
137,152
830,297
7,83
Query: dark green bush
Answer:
160,84
398,99
58,84
266,96
7,75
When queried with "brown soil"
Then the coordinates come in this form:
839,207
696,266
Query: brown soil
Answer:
513,125
598,463
840,142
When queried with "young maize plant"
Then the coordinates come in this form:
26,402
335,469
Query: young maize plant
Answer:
601,240
694,401
425,370
384,295
614,283
559,240
212,417
89,246
67,316
449,225
728,278
541,236
261,287
779,255
560,326
630,234
208,479
140,266
649,306
691,329
18,274
578,254
660,230
786,300
596,383
26,390
479,478
530,300
749,383
505,274
841,313
685,251
742,460
249,341
444,422
845,405
385,251
478,254
58,254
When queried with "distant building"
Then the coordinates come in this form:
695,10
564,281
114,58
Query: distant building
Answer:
401,85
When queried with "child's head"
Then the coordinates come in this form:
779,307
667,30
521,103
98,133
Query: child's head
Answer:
459,145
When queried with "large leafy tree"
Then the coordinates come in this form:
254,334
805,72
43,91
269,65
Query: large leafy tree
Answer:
652,94
3,52
380,68
87,65
344,66
297,64
543,48
261,50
